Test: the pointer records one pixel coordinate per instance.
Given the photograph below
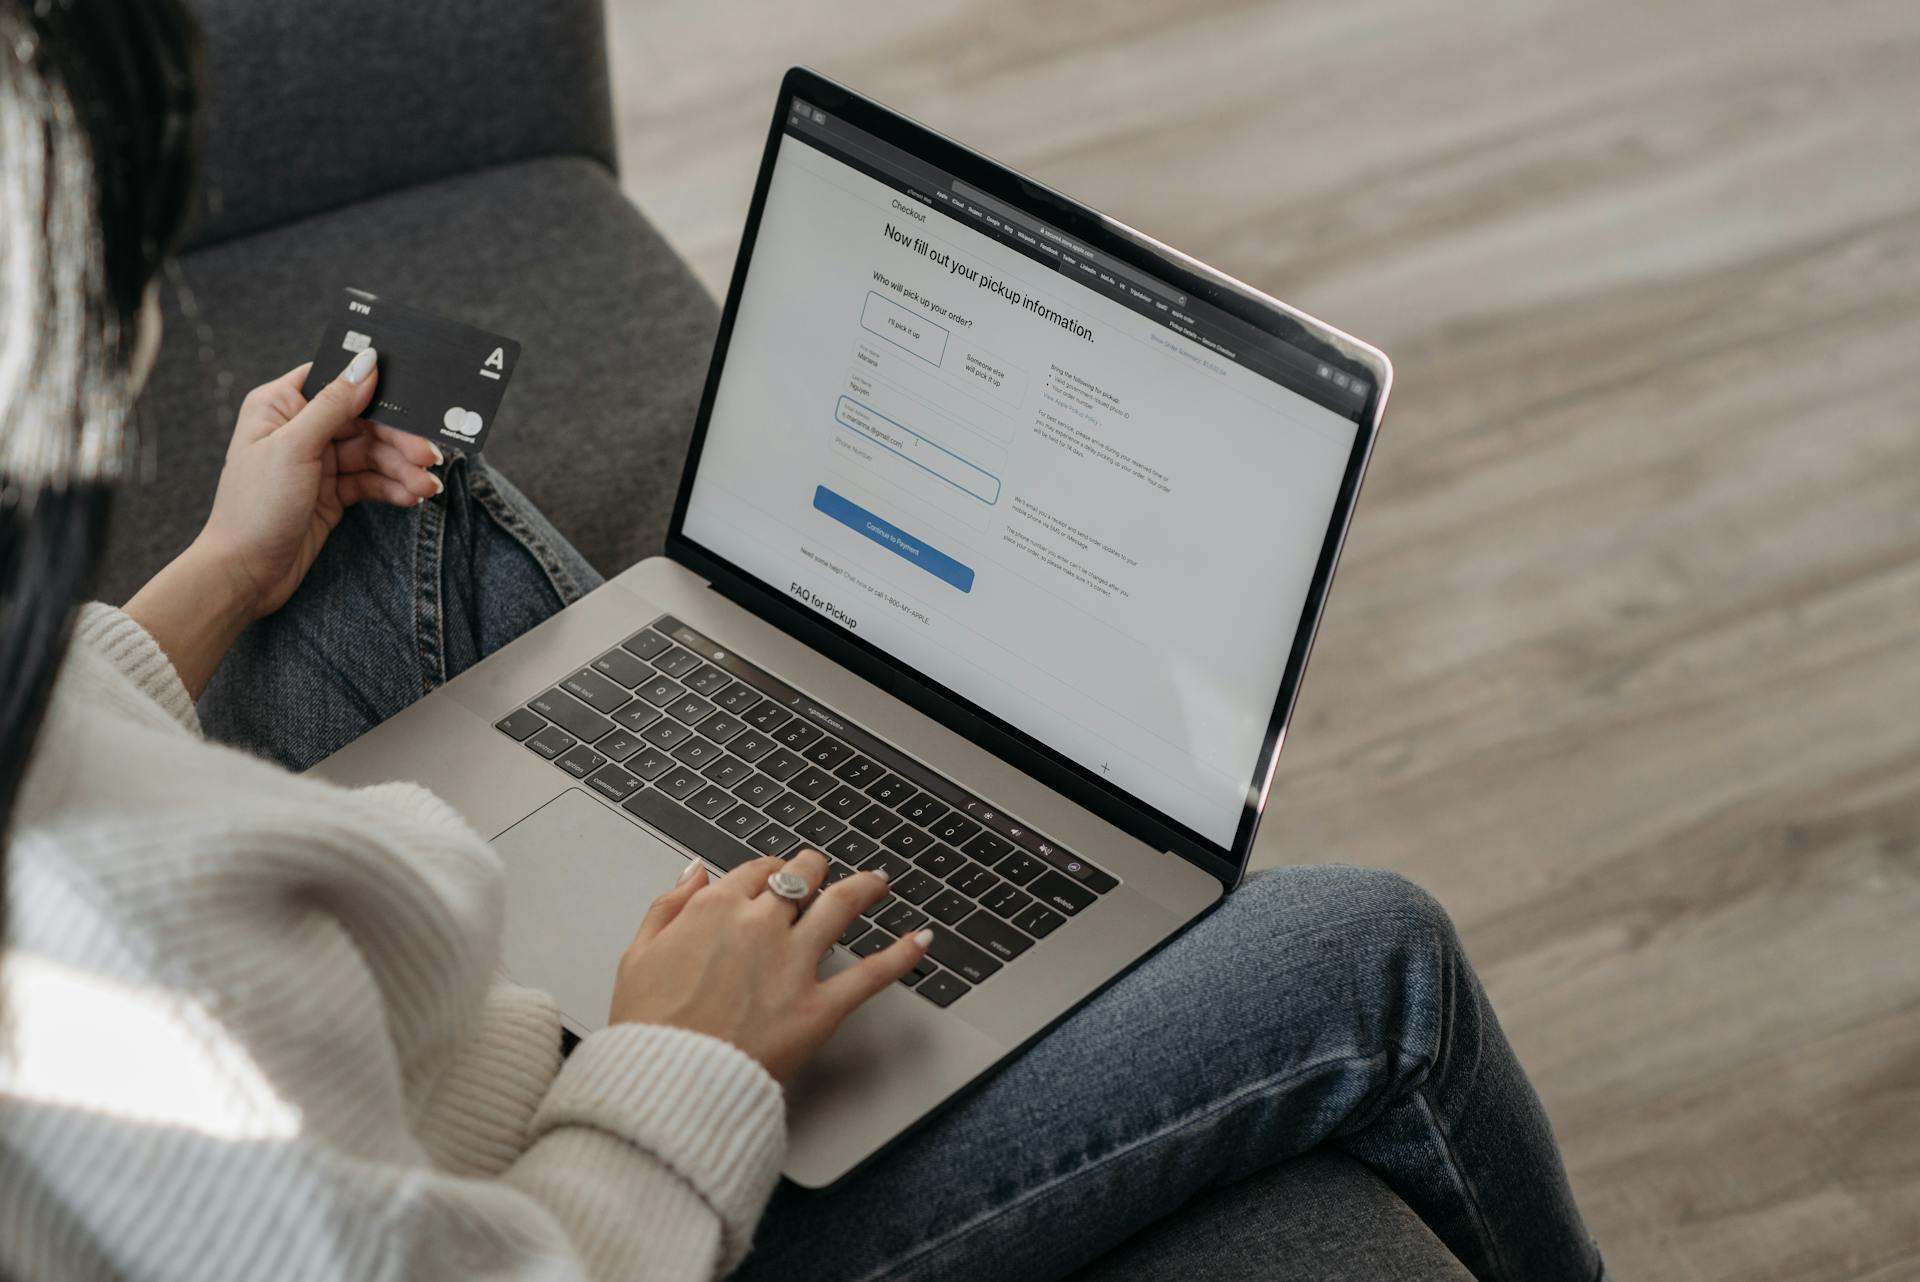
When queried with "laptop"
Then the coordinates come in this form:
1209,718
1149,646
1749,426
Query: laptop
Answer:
1002,541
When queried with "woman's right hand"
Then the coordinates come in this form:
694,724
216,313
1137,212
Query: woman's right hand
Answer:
727,958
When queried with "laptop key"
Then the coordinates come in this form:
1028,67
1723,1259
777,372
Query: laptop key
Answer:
1057,890
623,667
1006,901
788,808
781,764
661,691
908,841
853,932
737,698
924,809
721,727
649,763
877,821
962,957
690,830
619,745
646,643
921,969
711,801
613,782
750,746
757,790
916,887
858,772
691,709
890,791
768,716
773,840
819,828
677,662
743,822
728,771
571,715
696,752
836,872
1020,868
949,906
938,860
813,783
885,860
956,829
666,733
551,742
973,880
901,919
988,849
520,724
580,761
852,847
942,989
870,943
707,680
602,693
637,715
827,753
1037,920
994,935
796,735
843,803
680,783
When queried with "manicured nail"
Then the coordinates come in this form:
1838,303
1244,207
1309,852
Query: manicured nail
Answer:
923,937
881,873
361,366
687,872
439,486
438,457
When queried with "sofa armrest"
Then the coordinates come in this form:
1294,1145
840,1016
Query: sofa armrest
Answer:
317,104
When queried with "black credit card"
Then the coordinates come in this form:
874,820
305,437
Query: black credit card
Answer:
438,378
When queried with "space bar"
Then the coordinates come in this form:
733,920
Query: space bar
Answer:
690,830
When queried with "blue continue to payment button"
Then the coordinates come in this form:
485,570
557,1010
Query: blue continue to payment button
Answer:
893,538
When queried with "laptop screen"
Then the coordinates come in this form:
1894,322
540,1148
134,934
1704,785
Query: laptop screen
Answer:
1060,487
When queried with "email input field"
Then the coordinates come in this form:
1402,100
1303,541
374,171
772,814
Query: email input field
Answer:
899,439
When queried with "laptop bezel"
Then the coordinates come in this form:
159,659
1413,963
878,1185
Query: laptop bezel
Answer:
951,709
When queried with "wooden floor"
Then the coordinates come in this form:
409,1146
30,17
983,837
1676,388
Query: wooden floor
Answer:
1624,657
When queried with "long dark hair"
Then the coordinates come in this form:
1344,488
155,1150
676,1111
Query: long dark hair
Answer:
99,147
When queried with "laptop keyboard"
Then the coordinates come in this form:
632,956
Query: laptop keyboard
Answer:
734,764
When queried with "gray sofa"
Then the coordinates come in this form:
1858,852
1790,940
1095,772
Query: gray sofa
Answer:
460,156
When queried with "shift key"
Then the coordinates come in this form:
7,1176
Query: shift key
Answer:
961,957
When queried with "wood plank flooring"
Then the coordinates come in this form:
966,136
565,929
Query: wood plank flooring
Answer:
1623,661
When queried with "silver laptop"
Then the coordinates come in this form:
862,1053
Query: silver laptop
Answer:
1001,545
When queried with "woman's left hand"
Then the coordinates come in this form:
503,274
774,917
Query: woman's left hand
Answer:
294,467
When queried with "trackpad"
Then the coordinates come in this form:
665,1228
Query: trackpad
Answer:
579,879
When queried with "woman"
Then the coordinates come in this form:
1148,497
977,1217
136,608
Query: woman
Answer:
252,1023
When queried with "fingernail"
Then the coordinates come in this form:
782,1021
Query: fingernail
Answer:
923,937
361,365
687,872
439,486
881,873
438,457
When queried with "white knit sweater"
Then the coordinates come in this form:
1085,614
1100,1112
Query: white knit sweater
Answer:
253,1030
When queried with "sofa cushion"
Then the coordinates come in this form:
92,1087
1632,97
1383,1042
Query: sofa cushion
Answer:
1321,1217
316,104
615,336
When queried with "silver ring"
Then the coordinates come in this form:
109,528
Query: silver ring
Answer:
790,886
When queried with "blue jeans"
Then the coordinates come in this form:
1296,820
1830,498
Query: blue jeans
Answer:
1316,1006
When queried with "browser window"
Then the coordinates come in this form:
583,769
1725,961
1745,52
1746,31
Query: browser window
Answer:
1044,479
